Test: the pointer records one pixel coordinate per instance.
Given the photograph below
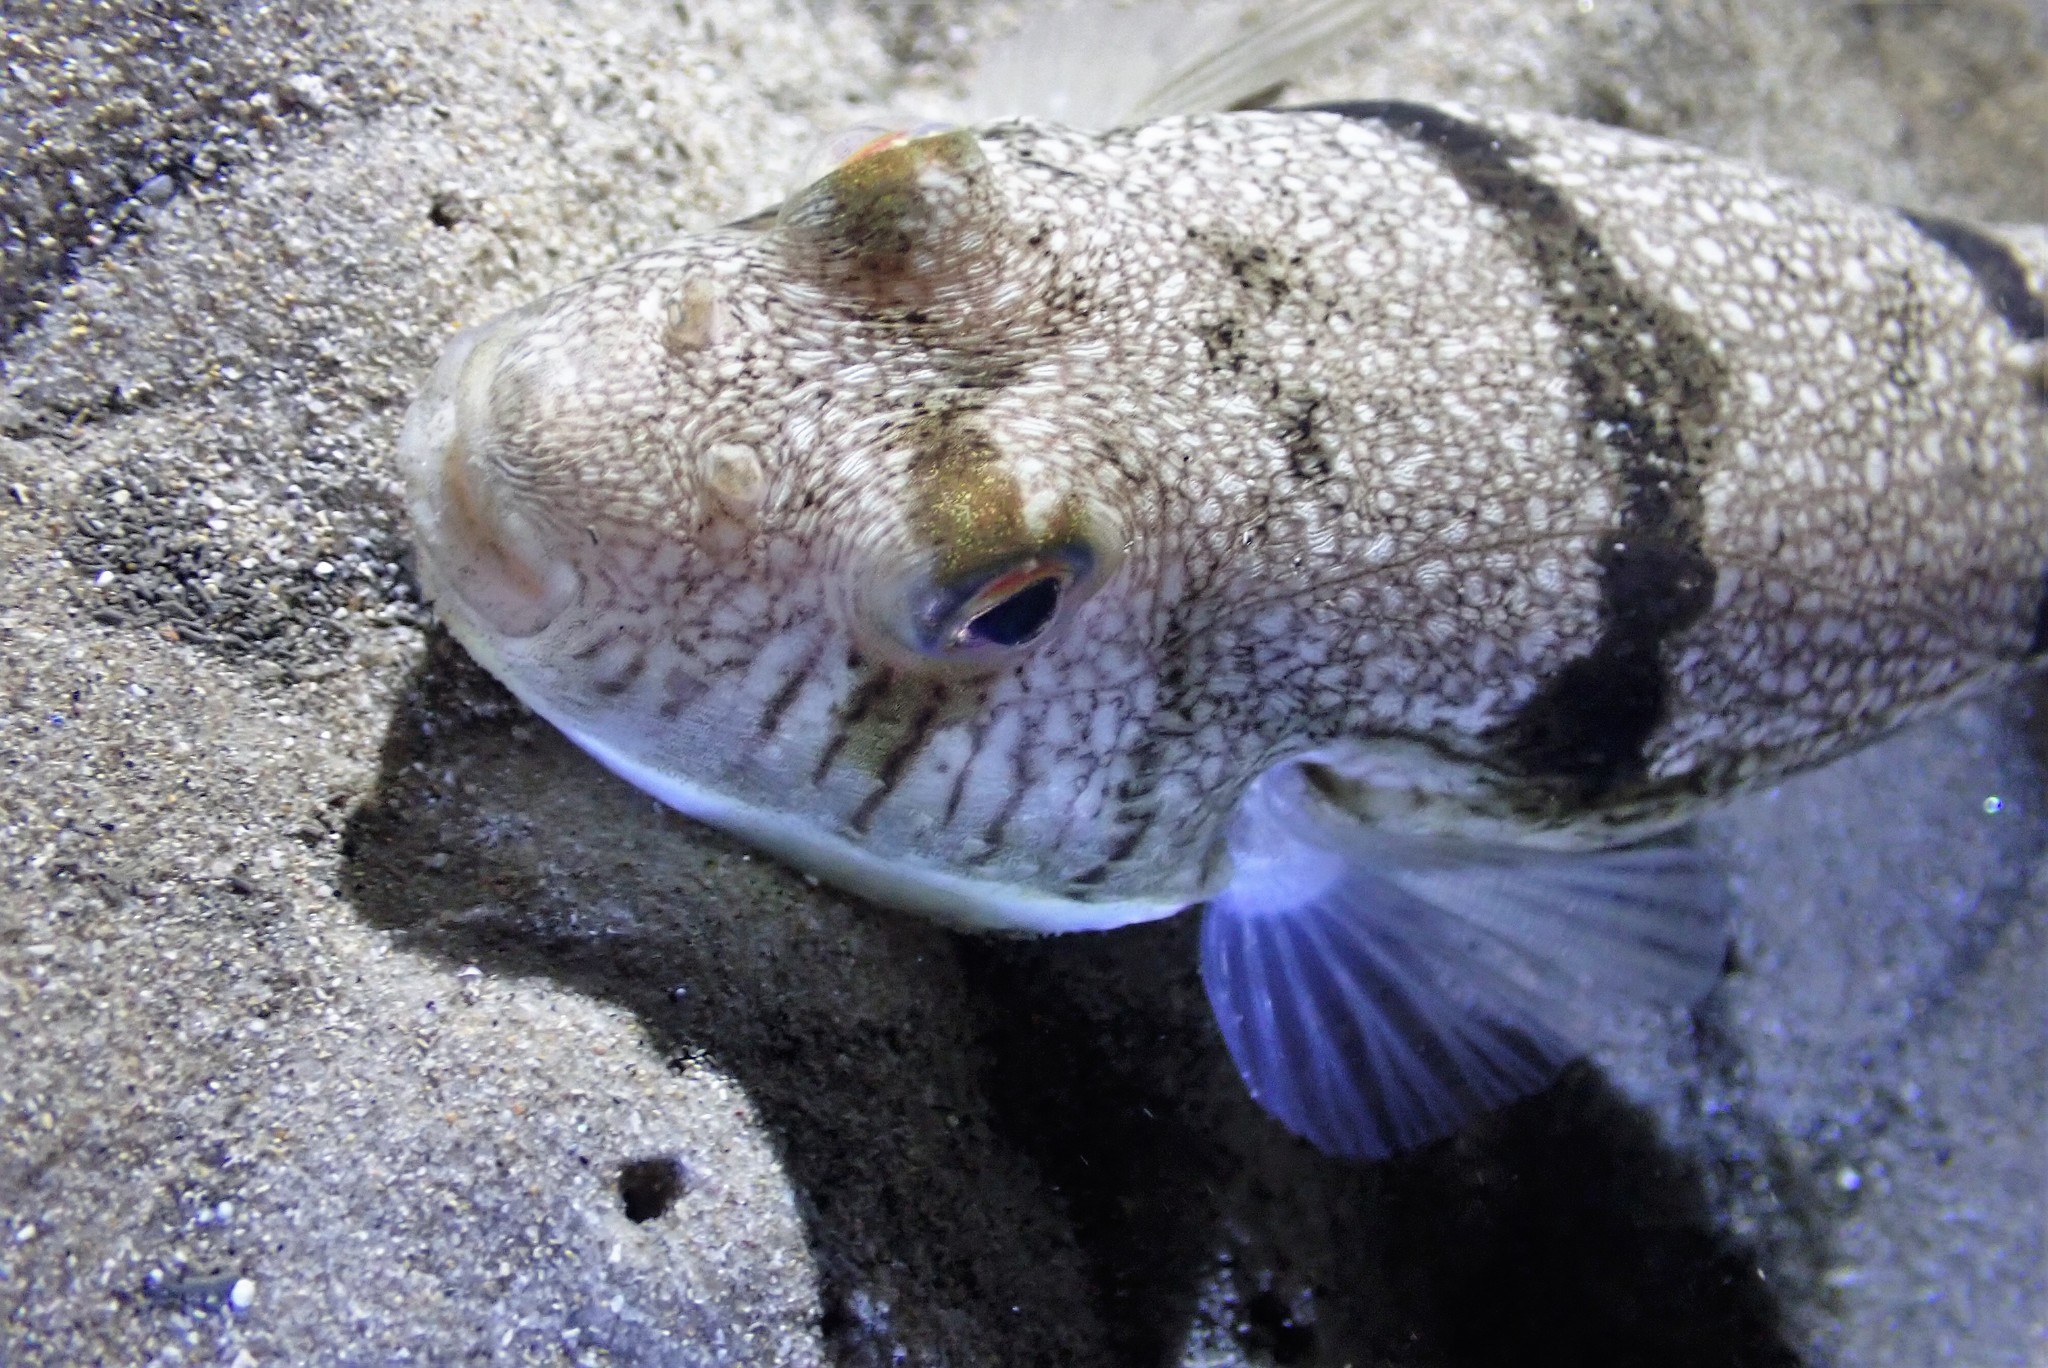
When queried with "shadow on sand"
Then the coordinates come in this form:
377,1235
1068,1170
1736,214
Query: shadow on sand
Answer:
1035,1152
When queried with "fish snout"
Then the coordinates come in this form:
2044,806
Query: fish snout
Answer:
481,538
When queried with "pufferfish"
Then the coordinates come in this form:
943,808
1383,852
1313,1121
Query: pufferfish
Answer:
1380,526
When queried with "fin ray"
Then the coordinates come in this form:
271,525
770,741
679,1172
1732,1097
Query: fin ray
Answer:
1378,992
1056,65
1253,68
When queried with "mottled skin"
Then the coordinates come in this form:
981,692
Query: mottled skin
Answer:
1540,480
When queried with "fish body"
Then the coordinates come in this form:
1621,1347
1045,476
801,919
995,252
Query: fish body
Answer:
1383,524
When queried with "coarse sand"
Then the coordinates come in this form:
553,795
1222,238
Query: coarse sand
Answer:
349,1016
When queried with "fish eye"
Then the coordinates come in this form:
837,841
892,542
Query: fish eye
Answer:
1013,620
994,611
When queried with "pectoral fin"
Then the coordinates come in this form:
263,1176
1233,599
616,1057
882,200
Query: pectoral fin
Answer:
1380,992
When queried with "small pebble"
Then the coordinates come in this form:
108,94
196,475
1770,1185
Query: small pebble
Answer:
308,90
242,1293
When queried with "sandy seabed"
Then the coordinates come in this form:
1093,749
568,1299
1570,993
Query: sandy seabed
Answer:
351,1017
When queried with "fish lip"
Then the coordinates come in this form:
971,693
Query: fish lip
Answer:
478,553
969,904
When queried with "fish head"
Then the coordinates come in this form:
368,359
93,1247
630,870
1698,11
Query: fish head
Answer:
801,527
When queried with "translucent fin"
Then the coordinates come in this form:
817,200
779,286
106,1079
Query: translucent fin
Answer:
1098,66
1254,68
1380,992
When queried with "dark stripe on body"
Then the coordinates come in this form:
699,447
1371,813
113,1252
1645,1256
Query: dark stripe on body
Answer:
1013,799
2003,280
785,697
1650,400
890,772
1998,273
976,736
852,713
1126,846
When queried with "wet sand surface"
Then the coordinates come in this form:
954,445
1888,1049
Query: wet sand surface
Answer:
349,1016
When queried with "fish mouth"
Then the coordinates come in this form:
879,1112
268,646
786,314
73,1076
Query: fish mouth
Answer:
475,541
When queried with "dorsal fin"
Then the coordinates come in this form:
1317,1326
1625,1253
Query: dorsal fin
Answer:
1097,66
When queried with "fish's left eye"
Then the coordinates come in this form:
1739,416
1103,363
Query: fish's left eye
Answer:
1000,610
1015,619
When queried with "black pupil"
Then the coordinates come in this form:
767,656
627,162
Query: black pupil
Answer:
1016,619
